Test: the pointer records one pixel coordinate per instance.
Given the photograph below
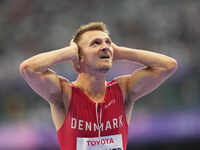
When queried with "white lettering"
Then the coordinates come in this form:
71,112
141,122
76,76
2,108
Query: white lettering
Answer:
80,124
108,125
101,126
73,123
95,127
88,126
115,123
92,126
120,121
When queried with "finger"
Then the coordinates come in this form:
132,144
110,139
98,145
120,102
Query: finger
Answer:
72,41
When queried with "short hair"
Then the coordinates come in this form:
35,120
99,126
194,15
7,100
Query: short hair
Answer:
100,26
92,26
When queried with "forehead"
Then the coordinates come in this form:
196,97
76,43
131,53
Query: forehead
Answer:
91,35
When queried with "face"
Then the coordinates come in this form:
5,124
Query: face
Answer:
97,52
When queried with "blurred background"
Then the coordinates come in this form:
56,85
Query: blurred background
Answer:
167,119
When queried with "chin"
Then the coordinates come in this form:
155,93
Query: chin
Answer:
101,68
104,69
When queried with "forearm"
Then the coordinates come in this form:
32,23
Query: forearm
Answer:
43,61
147,58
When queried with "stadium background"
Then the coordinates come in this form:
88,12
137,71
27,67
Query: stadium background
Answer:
167,119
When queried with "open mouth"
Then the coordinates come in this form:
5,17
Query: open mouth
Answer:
104,57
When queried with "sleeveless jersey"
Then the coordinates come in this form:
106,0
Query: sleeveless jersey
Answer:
95,126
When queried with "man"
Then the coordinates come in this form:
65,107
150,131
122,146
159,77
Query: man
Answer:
91,113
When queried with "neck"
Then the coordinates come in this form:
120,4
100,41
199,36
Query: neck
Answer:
93,85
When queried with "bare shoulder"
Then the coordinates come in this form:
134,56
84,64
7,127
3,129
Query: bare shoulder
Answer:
128,103
62,98
123,83
66,90
59,110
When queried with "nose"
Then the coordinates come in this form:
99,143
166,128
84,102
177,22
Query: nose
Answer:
105,49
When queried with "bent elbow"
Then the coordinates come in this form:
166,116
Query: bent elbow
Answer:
23,67
172,65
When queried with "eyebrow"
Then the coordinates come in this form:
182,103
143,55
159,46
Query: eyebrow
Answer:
95,40
107,38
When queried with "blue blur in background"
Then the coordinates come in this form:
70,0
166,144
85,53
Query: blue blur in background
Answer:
167,119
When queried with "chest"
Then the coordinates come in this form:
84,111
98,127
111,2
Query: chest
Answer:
85,115
97,112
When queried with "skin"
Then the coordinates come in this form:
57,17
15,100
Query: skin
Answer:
94,44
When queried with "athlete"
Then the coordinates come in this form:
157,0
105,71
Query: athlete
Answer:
91,113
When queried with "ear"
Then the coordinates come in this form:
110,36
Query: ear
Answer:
80,58
76,65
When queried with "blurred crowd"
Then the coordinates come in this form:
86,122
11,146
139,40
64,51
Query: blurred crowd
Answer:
29,27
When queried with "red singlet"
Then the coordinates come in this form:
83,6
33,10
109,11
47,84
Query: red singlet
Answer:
95,126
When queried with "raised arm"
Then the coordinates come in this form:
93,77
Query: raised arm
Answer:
37,73
158,68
